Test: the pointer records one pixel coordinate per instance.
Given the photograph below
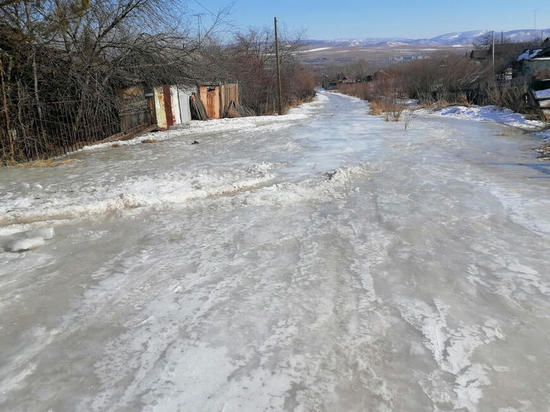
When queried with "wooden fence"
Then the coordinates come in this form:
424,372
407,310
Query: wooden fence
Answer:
29,131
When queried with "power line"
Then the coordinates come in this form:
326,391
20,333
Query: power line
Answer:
204,7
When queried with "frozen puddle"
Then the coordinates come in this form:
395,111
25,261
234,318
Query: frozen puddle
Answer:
326,260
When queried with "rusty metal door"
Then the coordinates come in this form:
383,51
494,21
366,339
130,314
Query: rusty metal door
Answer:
152,111
168,106
211,101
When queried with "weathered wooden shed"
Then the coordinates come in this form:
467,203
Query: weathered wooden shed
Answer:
229,93
171,104
135,109
216,98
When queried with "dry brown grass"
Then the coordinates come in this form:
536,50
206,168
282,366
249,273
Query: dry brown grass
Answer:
376,108
44,163
462,100
391,110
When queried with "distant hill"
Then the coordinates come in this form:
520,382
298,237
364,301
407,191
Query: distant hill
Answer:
465,38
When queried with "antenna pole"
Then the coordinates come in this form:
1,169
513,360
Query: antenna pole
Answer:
493,41
279,88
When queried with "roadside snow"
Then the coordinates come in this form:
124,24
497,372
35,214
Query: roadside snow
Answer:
490,114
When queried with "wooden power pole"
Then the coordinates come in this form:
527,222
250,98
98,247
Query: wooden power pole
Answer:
493,47
279,88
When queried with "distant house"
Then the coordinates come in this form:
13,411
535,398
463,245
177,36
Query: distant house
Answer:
479,54
504,52
330,84
535,61
333,83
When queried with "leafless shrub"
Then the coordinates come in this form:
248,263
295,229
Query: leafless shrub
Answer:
508,95
409,116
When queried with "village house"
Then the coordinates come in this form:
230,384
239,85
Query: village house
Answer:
535,61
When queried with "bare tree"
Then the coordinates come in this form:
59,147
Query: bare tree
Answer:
82,51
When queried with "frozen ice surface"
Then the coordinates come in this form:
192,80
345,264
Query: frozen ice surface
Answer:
46,233
326,260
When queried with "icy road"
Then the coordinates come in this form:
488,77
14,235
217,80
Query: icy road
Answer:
322,261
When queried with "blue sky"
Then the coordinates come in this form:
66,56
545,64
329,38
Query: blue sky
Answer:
384,18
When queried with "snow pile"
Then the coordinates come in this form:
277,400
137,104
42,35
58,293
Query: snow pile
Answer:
490,114
543,94
197,127
32,239
23,245
529,54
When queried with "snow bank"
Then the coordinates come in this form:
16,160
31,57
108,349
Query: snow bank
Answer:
490,114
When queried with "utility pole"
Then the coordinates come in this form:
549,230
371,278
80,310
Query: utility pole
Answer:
198,16
279,88
493,47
